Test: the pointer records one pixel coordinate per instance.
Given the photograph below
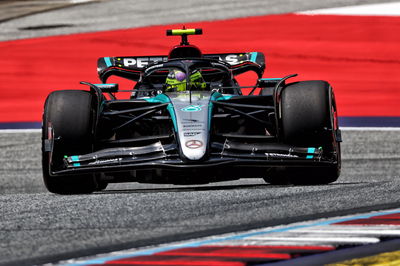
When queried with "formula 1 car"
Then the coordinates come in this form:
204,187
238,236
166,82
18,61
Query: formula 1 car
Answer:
188,122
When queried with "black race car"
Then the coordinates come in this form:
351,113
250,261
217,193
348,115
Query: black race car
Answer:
187,122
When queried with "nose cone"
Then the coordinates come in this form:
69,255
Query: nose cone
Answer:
192,121
193,133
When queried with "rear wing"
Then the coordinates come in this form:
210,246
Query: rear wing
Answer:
133,66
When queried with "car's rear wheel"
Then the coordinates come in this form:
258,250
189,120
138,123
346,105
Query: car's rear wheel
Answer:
69,115
308,113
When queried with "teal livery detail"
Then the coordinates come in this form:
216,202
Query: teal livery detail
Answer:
253,57
105,84
107,60
162,98
75,158
310,150
216,96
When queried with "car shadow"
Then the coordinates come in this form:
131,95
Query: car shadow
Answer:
185,189
213,188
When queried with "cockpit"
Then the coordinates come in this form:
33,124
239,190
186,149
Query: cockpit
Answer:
186,74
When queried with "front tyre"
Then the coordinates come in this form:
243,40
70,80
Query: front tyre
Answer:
309,119
69,114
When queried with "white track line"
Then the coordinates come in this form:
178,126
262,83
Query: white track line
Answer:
316,238
13,131
349,231
370,128
384,9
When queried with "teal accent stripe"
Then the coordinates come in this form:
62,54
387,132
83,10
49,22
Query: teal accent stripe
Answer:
76,164
171,111
162,98
75,158
310,150
213,97
223,98
216,96
253,56
108,61
210,107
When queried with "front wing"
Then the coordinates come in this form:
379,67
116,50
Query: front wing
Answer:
232,154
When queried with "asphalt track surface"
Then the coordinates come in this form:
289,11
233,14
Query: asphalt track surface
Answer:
38,227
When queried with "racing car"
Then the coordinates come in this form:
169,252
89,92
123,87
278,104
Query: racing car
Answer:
187,121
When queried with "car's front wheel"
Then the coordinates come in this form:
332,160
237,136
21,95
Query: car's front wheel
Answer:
68,117
309,118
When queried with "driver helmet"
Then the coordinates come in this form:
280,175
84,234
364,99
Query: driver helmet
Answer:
176,81
196,81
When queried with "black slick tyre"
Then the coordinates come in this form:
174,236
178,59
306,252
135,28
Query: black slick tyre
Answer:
70,114
305,111
307,114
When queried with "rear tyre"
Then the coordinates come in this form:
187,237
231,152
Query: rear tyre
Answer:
308,110
70,115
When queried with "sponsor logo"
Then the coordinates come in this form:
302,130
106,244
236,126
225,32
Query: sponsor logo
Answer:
231,59
279,155
116,160
142,61
189,121
192,108
194,144
190,134
192,125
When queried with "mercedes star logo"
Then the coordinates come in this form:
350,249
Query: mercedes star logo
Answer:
194,144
